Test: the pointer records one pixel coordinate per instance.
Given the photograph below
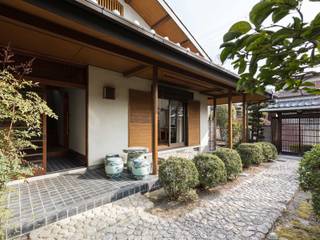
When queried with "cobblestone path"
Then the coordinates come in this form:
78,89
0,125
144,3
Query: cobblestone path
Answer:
246,211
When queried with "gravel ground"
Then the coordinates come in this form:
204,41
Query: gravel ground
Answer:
247,210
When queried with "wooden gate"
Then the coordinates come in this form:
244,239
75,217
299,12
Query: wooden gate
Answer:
296,133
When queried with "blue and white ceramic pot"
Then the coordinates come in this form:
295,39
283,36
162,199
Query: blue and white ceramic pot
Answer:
113,165
134,153
141,167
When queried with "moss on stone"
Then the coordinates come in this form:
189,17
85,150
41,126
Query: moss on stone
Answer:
304,210
298,231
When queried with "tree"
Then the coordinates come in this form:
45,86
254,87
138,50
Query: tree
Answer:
222,122
21,111
256,122
277,47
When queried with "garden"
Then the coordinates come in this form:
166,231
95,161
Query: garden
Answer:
301,219
183,180
187,184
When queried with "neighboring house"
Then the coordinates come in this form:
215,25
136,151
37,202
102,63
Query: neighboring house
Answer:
118,74
295,120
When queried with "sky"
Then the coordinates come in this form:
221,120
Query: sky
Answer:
209,20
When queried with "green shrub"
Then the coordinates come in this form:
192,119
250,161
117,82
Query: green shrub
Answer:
269,150
178,176
309,175
304,148
20,105
316,203
189,196
211,170
250,153
232,161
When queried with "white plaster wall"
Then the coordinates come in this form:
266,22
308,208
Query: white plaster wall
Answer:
108,119
204,127
77,120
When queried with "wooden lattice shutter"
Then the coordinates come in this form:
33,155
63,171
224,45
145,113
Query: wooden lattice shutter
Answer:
140,119
193,123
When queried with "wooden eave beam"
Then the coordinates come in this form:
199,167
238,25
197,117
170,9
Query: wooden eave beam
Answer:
163,20
184,41
185,80
227,95
134,71
87,39
213,90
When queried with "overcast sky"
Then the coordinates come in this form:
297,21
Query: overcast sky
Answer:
208,20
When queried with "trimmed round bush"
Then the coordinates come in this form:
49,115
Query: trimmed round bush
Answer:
315,197
269,150
309,175
211,170
232,161
250,153
189,196
178,176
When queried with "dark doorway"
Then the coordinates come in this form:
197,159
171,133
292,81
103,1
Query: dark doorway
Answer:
64,140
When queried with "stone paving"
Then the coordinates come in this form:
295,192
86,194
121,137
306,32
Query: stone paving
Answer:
41,202
246,211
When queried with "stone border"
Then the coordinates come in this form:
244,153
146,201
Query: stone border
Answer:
83,206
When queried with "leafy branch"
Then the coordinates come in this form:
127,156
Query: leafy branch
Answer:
264,53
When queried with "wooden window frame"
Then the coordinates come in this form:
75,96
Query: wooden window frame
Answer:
185,127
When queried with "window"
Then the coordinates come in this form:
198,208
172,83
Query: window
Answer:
171,122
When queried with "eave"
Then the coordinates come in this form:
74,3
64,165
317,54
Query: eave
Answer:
85,22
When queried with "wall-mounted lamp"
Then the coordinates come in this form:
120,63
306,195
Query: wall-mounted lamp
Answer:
109,93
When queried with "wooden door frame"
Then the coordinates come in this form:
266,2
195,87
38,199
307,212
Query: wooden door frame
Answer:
66,119
44,84
44,136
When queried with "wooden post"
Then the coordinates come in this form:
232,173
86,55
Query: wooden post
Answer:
279,132
44,135
214,124
244,118
230,139
155,120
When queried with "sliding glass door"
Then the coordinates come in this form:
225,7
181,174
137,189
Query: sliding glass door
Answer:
171,122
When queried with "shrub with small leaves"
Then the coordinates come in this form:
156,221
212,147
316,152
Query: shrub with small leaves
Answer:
250,153
178,176
309,175
297,148
211,170
316,202
189,196
21,113
270,151
232,161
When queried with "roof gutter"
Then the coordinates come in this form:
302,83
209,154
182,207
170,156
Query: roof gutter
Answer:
288,109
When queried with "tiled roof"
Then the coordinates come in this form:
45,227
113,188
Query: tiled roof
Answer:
293,104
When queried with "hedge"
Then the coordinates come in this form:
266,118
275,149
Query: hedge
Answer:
309,175
178,176
211,170
269,150
250,153
232,161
